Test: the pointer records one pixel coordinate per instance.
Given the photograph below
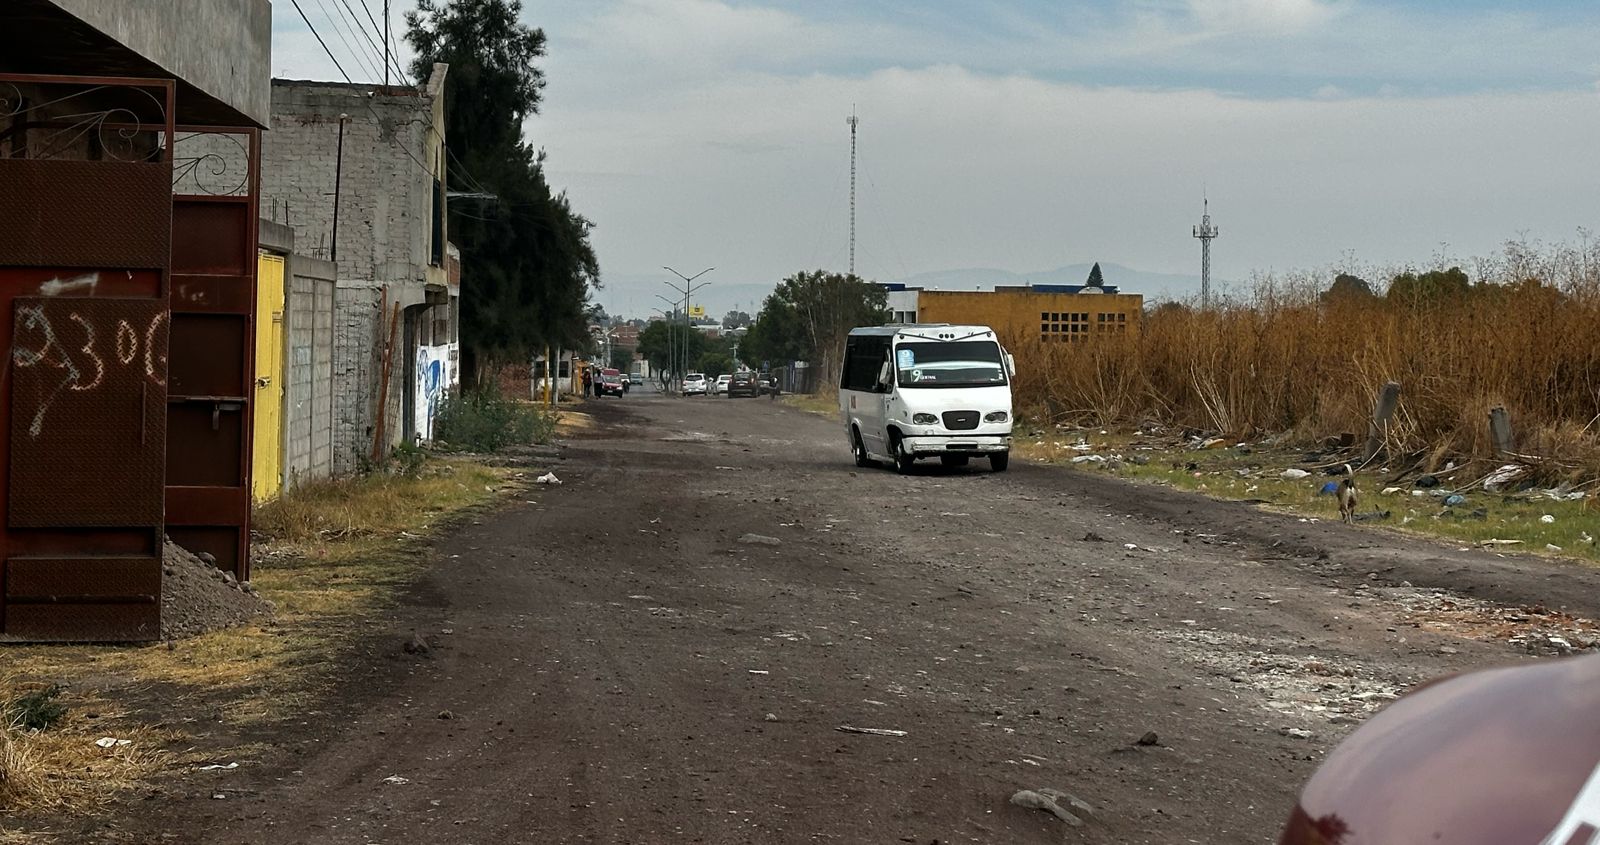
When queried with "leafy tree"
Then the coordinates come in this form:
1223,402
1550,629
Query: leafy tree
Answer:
808,317
735,320
1095,279
715,362
525,256
663,345
1348,288
1435,287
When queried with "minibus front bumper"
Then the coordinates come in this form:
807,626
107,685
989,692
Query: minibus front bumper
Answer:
956,444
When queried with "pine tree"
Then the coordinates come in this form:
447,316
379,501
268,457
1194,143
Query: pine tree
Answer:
1095,279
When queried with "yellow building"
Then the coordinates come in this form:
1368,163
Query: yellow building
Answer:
1038,313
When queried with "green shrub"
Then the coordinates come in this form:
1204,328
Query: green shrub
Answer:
37,710
483,421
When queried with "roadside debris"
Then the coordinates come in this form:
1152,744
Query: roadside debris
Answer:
759,540
396,780
547,478
1148,739
112,742
1050,801
1292,474
197,597
851,729
219,766
417,645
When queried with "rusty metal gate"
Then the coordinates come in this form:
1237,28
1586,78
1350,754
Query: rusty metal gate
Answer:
85,246
214,233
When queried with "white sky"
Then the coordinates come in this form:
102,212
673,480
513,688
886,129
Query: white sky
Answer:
1029,135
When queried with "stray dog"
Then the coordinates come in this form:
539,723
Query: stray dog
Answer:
1347,496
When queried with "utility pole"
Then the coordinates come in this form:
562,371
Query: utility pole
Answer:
386,43
687,290
338,176
1206,233
853,121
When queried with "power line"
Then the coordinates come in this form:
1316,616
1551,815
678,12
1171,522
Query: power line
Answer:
388,49
340,31
319,39
358,25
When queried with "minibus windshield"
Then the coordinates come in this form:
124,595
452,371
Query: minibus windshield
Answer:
968,363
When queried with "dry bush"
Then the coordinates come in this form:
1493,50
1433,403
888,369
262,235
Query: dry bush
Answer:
1525,336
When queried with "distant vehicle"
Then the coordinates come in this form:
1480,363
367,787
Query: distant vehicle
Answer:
743,384
694,384
923,391
720,386
635,378
621,377
610,385
768,383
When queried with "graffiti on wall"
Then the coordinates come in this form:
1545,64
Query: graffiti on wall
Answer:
437,375
70,351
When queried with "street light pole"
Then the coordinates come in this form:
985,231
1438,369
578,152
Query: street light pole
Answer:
688,289
672,341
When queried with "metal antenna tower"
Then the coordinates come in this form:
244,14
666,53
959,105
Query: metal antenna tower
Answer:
853,121
1206,233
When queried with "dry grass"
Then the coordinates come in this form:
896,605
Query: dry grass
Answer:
825,404
1525,336
328,555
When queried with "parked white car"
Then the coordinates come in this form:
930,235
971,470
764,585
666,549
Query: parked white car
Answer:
720,387
694,384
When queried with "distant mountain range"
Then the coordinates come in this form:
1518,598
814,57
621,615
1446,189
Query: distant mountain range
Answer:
634,294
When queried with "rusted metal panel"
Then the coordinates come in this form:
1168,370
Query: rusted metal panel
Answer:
209,397
85,246
88,421
85,213
104,622
83,579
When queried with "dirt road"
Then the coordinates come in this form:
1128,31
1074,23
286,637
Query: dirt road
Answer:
617,662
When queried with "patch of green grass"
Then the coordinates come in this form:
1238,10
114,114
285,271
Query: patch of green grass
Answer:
1255,475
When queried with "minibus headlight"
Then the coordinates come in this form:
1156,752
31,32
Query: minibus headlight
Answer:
924,419
996,416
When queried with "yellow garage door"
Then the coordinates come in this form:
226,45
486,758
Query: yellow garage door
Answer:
267,446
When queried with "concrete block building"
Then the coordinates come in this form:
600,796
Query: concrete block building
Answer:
358,172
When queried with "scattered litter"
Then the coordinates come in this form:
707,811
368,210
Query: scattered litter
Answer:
873,702
112,742
735,469
1148,739
1551,547
1547,519
760,540
771,717
547,478
759,672
1502,476
1496,542
1050,800
396,780
1390,491
850,729
1292,474
1329,489
1454,499
216,766
1088,459
219,796
1296,733
1130,546
1583,537
1428,481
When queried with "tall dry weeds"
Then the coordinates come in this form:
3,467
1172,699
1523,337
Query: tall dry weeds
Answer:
1286,359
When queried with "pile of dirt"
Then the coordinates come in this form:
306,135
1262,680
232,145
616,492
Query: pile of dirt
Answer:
197,597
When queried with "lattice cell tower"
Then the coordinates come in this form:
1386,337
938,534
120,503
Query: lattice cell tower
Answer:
853,121
1206,233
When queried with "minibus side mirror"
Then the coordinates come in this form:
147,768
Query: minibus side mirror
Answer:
1011,366
885,378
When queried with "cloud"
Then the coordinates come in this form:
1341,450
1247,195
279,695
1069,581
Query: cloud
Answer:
1279,17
